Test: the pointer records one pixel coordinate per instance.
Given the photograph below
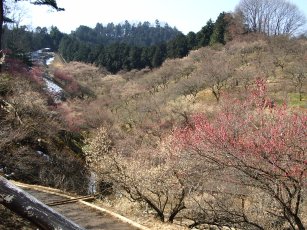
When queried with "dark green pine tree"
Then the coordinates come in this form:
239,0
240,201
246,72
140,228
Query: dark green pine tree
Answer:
56,35
18,40
67,47
220,27
177,47
82,53
94,53
41,39
204,35
191,40
157,57
146,56
135,58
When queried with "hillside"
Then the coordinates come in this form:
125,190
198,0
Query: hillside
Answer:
124,46
139,110
123,127
192,84
35,145
127,47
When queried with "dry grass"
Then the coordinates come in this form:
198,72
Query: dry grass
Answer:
138,213
58,62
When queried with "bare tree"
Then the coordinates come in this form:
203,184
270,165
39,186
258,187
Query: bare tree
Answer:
297,73
15,13
147,176
272,17
215,69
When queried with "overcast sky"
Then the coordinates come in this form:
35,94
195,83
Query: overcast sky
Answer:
186,15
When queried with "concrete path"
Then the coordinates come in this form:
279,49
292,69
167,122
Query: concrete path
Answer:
82,213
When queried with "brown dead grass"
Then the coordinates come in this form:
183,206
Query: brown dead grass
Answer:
138,213
58,62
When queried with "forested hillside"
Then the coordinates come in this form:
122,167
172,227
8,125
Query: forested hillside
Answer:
156,142
122,46
86,44
21,40
207,130
140,34
126,47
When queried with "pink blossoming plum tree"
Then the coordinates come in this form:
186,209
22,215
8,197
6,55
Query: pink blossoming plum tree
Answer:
265,144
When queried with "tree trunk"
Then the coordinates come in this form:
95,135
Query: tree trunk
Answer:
295,219
153,206
175,212
299,223
32,209
1,22
1,30
180,206
216,95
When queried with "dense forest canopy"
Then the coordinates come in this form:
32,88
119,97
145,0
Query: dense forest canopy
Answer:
126,47
118,47
140,34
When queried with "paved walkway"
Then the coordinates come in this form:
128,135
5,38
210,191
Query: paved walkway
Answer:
81,213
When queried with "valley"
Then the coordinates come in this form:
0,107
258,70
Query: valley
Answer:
199,131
